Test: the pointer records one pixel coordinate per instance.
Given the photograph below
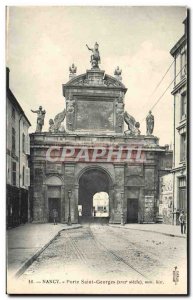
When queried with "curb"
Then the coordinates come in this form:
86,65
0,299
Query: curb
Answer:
168,234
30,260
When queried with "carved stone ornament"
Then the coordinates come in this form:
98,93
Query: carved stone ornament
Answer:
70,114
73,69
119,114
56,124
117,74
133,126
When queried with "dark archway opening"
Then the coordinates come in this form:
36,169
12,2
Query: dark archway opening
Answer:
91,182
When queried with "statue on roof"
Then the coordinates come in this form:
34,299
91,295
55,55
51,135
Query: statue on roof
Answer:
95,57
72,70
56,124
117,73
133,126
40,118
149,123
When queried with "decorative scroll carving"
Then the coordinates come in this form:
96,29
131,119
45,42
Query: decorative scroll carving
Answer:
133,126
119,114
111,83
70,115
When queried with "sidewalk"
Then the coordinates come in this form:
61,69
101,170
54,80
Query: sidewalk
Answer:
26,242
170,230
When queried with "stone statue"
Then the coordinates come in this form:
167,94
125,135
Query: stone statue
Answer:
117,73
95,57
70,114
119,114
40,118
149,123
56,126
51,125
72,70
133,126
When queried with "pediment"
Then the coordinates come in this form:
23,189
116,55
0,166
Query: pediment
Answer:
86,80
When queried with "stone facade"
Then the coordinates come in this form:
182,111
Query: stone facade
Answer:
180,94
17,154
95,120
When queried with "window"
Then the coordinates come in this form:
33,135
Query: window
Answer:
13,113
23,176
182,147
13,140
182,194
23,142
183,105
182,182
183,64
14,173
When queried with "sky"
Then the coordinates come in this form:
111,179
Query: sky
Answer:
42,42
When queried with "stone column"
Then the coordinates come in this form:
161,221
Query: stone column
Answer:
119,204
76,187
141,206
63,204
111,204
46,209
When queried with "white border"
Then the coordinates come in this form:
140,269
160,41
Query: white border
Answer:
3,4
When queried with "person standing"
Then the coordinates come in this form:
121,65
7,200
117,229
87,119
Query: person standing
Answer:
182,220
55,216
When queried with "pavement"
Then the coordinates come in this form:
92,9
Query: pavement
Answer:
26,242
165,229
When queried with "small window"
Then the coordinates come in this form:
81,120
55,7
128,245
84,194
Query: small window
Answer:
23,142
13,140
14,173
183,105
182,147
183,64
23,176
182,182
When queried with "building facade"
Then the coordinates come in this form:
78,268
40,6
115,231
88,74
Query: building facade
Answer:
179,53
166,198
93,155
17,153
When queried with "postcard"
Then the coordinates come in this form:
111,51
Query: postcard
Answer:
96,150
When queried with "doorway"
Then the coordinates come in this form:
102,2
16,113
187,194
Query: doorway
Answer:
132,210
54,203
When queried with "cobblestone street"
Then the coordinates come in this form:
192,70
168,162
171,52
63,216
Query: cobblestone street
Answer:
101,252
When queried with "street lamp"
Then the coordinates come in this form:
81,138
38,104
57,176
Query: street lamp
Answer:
69,209
122,213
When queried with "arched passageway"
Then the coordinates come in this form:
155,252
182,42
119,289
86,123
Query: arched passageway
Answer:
91,182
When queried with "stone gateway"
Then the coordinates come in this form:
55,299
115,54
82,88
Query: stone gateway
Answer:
119,170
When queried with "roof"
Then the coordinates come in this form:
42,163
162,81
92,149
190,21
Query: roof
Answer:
16,104
96,79
178,45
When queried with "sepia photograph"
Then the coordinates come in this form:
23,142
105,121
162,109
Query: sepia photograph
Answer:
96,150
